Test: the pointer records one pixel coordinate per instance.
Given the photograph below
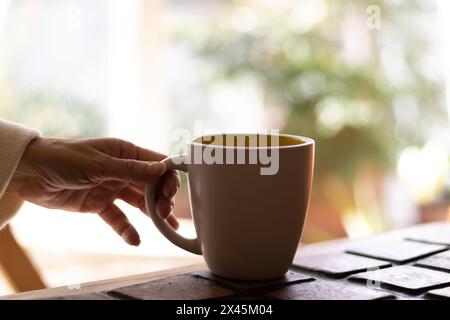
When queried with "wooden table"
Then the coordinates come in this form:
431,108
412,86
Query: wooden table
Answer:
334,246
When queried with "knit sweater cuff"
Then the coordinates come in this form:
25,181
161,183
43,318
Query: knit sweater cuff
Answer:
14,138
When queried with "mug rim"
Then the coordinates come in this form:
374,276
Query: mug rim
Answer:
305,141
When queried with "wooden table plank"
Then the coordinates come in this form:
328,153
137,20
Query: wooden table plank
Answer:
102,285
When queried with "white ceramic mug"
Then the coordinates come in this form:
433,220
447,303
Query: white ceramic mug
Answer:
248,222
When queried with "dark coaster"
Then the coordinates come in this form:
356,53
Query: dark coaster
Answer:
85,296
328,290
406,277
399,251
433,233
440,261
181,287
290,278
440,293
339,264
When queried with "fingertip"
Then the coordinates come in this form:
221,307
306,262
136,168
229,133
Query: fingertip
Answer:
173,222
131,236
137,241
170,189
164,207
156,168
163,168
171,184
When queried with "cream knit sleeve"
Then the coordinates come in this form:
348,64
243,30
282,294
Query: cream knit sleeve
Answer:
13,140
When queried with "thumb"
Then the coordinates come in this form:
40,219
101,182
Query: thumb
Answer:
134,171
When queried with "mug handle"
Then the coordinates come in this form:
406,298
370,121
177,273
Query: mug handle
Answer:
191,245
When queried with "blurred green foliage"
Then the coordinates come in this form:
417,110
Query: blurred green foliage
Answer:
352,108
54,114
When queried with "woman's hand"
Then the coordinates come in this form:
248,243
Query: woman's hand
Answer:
88,175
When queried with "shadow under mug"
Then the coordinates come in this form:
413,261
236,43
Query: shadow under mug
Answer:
249,196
